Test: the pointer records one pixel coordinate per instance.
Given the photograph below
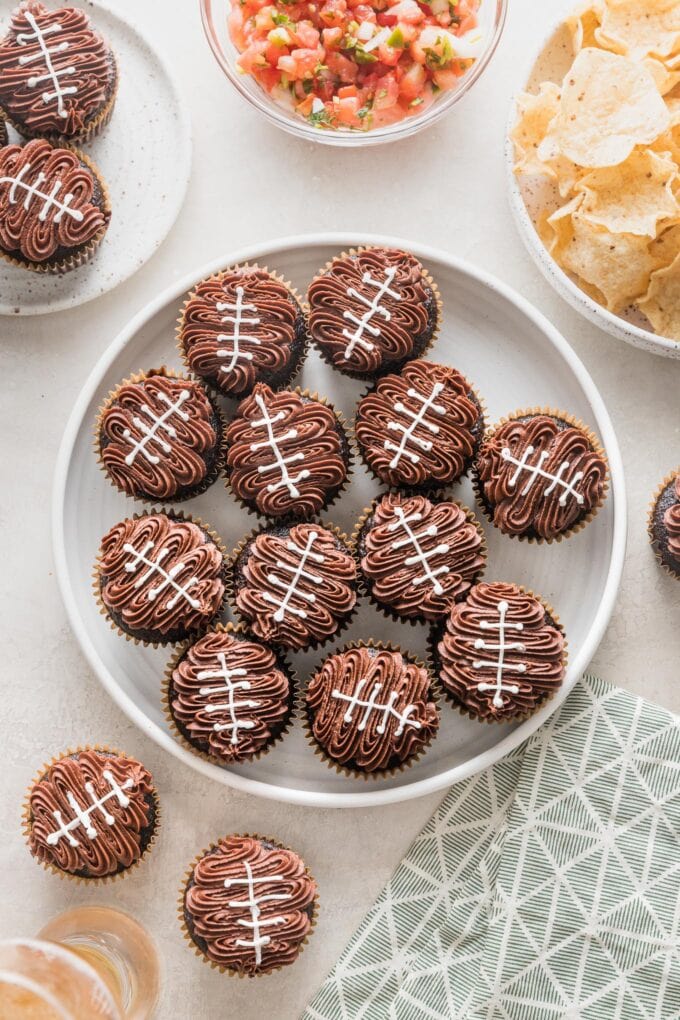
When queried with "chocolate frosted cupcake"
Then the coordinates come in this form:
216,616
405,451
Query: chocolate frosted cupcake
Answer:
371,709
501,653
417,557
664,523
249,905
229,697
541,475
420,429
159,437
287,453
159,578
92,814
295,586
58,77
241,327
371,310
54,207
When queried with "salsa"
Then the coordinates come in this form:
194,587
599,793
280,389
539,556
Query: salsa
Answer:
348,64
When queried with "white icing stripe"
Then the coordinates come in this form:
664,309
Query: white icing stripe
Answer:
236,337
372,705
52,74
280,462
229,688
168,577
420,556
499,664
32,191
418,417
374,307
291,587
157,422
535,471
253,902
82,816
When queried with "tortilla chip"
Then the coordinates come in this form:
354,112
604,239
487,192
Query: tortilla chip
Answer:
534,113
634,196
608,106
666,247
640,29
583,23
665,78
661,303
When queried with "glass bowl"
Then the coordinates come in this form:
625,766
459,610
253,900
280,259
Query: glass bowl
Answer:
214,14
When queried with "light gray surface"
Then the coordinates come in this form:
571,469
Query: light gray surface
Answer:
251,182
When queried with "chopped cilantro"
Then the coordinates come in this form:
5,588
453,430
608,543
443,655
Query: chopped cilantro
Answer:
436,61
319,118
362,57
281,19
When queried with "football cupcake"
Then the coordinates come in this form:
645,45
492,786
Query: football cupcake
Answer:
371,310
664,523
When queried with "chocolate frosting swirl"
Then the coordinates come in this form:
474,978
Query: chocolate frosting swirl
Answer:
50,202
229,696
420,557
533,661
296,585
138,593
371,739
263,344
63,96
522,501
420,427
671,522
157,435
118,831
220,918
386,290
287,453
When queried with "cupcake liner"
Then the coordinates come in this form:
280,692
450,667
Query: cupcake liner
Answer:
298,364
282,662
651,513
166,373
182,919
598,449
433,658
78,258
3,130
351,461
433,490
393,369
367,590
178,515
306,718
231,587
26,818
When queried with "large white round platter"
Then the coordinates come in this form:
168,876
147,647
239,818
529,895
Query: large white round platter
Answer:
516,359
144,155
532,197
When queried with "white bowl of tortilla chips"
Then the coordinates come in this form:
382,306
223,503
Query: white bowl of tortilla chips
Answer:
594,158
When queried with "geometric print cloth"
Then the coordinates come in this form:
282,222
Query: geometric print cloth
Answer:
546,887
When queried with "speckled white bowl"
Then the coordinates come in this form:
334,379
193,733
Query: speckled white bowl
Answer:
530,196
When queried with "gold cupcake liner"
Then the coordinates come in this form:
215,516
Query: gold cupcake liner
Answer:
378,774
449,696
3,131
366,589
231,587
178,515
182,893
351,461
668,480
77,259
294,293
26,821
393,370
282,661
166,373
597,448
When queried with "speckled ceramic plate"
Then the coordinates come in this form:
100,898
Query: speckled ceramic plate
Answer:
144,155
515,357
531,196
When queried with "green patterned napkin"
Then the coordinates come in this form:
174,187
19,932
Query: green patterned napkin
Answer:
547,887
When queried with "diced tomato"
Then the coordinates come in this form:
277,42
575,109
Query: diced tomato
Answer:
344,68
387,20
268,77
288,65
332,37
408,11
306,35
365,14
387,93
333,12
253,57
412,83
449,78
347,91
346,109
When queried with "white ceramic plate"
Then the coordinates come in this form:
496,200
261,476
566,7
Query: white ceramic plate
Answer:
144,155
531,196
515,357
